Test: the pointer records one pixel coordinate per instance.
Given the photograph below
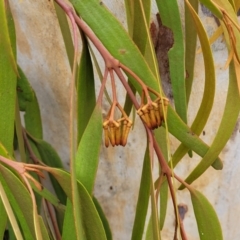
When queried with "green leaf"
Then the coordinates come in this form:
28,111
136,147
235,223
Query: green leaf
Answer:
209,88
91,222
143,199
86,99
190,47
69,231
45,193
207,220
19,133
32,117
170,17
43,229
10,213
161,138
8,36
184,134
140,23
3,221
87,155
25,92
154,211
212,7
66,33
103,219
163,203
20,200
8,78
229,119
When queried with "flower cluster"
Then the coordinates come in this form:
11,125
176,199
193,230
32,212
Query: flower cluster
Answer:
152,113
116,132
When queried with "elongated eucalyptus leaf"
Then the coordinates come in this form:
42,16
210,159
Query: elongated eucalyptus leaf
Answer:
69,231
8,77
207,220
184,134
140,23
170,17
88,151
91,222
37,226
44,231
149,232
163,203
212,7
3,221
161,137
18,131
45,193
190,47
8,37
20,201
121,47
143,199
209,88
60,211
86,99
154,209
103,219
3,214
25,92
233,4
63,23
10,213
229,119
237,5
32,118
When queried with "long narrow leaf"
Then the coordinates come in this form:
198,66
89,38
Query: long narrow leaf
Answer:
63,23
170,17
86,99
161,137
43,229
10,213
68,224
209,88
207,220
3,221
184,134
32,118
103,219
143,199
88,151
190,47
25,92
8,77
230,116
20,201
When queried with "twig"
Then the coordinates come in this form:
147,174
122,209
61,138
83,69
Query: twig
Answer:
113,64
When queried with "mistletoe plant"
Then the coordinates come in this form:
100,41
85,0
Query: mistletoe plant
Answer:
130,58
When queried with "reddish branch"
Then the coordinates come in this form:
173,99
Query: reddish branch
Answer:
113,64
